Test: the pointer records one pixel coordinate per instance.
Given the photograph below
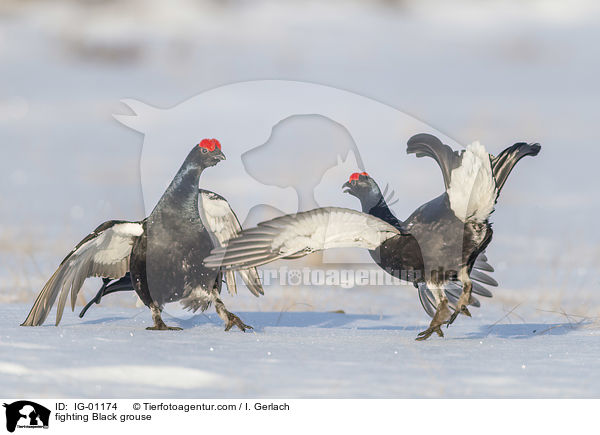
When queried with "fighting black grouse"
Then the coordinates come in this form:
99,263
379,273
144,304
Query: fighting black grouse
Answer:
222,224
408,253
164,253
441,240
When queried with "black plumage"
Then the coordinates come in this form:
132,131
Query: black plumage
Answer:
431,228
439,247
467,207
109,286
164,253
222,224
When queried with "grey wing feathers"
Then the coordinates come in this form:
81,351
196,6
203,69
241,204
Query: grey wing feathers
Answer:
428,145
477,274
218,217
249,276
230,281
427,300
252,280
104,253
483,265
480,290
301,234
453,289
483,278
223,225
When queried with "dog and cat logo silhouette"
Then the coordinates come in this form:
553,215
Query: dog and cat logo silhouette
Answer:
26,414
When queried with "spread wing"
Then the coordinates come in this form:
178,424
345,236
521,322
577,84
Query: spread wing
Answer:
223,225
103,253
428,145
302,234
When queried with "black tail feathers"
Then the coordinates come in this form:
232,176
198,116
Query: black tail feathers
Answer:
507,159
427,145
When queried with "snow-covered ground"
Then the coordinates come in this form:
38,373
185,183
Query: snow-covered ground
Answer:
305,351
498,71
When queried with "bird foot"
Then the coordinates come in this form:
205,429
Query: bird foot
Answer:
164,328
159,325
424,335
233,320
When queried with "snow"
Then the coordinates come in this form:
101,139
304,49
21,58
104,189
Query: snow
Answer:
368,351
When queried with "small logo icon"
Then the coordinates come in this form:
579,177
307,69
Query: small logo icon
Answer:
26,414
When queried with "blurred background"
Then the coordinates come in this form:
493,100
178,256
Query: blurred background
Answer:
497,71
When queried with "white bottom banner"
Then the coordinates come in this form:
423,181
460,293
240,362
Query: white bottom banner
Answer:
67,416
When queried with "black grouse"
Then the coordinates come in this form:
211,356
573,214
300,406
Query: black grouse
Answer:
440,241
374,203
222,224
164,253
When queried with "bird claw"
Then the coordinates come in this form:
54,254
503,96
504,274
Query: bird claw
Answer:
233,320
424,335
159,325
163,327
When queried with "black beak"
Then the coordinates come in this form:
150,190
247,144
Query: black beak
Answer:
347,185
220,156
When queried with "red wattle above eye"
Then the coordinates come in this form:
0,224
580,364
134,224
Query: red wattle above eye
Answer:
356,175
210,144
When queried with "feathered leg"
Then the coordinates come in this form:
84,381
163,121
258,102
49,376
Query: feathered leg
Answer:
441,316
159,325
229,318
465,298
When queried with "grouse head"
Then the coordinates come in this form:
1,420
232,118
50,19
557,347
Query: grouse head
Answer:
366,190
207,153
361,185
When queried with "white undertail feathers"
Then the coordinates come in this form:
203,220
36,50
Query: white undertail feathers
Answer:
472,191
